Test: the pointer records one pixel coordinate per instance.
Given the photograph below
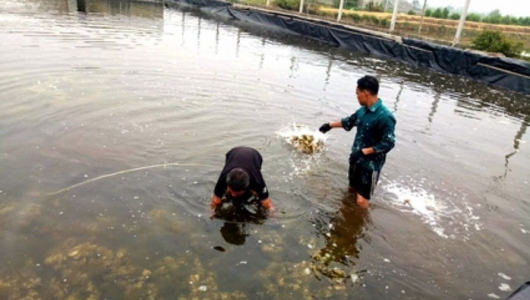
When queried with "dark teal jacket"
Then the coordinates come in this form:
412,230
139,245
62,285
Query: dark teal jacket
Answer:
375,128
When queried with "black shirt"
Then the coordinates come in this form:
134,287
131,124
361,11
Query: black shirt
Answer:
248,159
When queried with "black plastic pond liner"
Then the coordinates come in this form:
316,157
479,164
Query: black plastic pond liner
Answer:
522,293
503,72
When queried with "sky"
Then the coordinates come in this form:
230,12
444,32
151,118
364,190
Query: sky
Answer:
518,8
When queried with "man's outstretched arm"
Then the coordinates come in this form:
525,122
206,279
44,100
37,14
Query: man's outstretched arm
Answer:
328,126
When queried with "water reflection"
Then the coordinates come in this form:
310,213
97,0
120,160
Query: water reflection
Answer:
238,41
516,143
262,55
151,9
183,26
489,100
234,233
293,68
471,95
217,37
236,217
328,71
199,32
434,107
346,227
79,5
146,9
398,97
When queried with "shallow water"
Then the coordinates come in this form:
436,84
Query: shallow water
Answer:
150,99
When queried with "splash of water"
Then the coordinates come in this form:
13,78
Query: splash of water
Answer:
294,133
444,216
291,134
419,202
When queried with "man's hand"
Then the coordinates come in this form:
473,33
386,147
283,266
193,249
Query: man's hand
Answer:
267,204
215,201
325,128
368,151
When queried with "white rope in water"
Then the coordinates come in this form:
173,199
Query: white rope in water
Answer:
124,172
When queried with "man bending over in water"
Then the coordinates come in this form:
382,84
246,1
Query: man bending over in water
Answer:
241,178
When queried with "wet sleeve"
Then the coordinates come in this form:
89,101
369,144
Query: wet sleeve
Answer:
260,188
388,138
263,192
220,186
349,122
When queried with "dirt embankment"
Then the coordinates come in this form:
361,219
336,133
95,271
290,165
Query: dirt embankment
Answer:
433,29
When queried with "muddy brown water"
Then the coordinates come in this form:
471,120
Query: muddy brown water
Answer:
131,85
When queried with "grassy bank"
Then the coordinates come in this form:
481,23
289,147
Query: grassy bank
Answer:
442,30
437,30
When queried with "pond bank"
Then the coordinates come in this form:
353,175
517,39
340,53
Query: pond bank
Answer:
498,71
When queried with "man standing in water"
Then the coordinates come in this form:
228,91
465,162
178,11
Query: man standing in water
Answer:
373,140
241,179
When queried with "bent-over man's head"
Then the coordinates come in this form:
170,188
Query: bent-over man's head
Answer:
237,182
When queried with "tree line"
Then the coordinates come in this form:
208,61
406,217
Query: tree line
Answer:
494,17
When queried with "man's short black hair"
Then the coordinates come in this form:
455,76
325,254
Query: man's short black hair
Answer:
238,180
368,83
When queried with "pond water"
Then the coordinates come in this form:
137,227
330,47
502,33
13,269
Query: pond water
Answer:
113,128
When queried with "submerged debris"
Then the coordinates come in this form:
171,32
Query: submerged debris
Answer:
219,248
86,270
282,279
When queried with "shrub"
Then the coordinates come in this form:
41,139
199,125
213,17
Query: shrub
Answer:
524,21
455,16
445,13
348,4
428,13
288,4
355,17
375,20
516,21
493,19
351,3
371,6
473,17
506,20
384,22
496,41
411,12
438,13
